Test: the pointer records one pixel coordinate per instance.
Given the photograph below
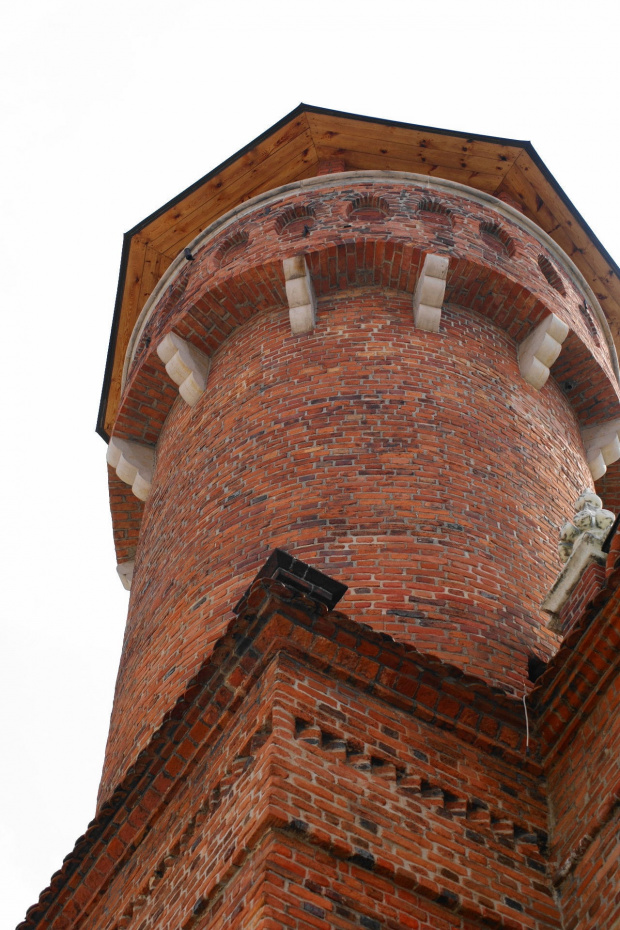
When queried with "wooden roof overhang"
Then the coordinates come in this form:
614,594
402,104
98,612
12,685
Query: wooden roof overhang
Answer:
293,149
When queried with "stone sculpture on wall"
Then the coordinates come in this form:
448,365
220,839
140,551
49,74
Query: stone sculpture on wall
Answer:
589,518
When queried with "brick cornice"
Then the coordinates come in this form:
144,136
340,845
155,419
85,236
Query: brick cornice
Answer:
273,620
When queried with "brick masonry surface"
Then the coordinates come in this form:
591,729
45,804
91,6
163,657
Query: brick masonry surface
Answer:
418,466
316,773
371,450
362,780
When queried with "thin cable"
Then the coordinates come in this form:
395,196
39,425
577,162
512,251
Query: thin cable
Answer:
527,728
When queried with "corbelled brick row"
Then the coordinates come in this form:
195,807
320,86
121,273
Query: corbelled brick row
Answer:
405,228
371,450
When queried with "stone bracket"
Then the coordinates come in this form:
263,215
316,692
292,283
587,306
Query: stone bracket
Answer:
540,349
429,293
300,295
125,573
134,464
186,365
587,549
602,444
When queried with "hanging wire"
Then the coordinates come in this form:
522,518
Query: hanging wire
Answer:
527,727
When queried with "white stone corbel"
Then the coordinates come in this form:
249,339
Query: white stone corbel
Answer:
602,444
429,293
186,365
134,464
125,573
539,350
300,295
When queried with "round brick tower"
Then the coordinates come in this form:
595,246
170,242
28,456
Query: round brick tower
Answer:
357,360
386,374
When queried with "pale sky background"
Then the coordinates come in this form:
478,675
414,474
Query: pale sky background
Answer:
108,111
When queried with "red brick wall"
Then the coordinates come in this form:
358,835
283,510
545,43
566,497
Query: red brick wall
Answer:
587,587
418,468
309,802
316,773
584,797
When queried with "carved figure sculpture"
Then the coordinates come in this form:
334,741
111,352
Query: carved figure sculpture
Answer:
589,518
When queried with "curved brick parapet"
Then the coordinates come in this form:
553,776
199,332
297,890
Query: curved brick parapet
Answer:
421,467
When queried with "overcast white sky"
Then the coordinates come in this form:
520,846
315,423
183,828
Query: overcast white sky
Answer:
108,111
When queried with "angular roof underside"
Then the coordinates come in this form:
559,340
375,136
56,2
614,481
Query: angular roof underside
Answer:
292,150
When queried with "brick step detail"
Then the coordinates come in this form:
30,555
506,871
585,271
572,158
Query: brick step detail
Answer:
444,801
220,792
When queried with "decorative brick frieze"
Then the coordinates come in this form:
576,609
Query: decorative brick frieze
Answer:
376,763
404,200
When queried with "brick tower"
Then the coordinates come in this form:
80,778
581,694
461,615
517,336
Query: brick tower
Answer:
369,365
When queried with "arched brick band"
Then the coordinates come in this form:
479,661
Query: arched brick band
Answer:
437,186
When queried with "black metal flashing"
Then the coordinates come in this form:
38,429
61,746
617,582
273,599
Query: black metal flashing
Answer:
283,567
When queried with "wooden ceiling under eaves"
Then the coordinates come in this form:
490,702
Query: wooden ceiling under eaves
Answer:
292,149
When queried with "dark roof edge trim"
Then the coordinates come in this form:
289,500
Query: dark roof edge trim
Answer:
107,377
531,151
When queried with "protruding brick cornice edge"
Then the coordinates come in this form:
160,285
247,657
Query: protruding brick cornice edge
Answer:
276,619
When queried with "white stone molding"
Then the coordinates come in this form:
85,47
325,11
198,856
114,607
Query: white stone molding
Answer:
429,293
586,550
602,444
300,295
125,573
589,518
539,350
186,365
134,464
